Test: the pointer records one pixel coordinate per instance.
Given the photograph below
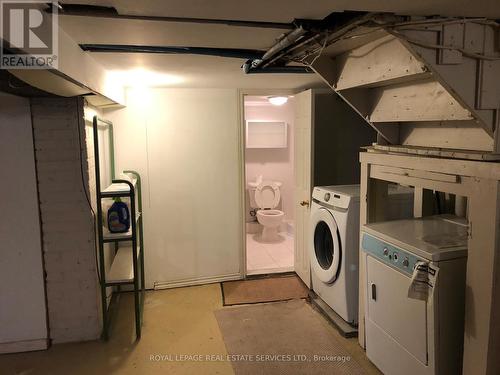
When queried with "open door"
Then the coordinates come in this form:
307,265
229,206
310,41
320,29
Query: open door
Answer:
304,110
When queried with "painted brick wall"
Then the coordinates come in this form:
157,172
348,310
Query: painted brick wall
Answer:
67,222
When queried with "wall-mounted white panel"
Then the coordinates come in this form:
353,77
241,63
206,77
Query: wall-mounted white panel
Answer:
23,320
266,134
185,145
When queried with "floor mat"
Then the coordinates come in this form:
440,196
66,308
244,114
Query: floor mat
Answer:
269,289
283,338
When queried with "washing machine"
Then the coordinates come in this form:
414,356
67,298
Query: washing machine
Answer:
334,242
407,335
333,248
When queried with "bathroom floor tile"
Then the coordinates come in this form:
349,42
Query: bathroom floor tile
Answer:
269,257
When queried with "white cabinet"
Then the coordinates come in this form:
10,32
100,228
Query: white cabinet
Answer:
266,134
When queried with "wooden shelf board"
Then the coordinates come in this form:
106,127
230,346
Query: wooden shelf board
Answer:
118,189
122,269
435,152
108,236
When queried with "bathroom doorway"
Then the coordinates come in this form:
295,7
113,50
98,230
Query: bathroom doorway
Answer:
269,183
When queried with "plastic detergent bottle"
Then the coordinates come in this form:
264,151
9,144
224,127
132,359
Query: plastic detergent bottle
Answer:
118,217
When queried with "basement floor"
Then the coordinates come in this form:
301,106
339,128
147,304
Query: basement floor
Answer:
176,322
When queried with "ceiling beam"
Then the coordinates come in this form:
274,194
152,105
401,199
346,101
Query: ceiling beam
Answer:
84,10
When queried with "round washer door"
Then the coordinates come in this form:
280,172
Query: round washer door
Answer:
325,248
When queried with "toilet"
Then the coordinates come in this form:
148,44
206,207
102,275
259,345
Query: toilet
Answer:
267,197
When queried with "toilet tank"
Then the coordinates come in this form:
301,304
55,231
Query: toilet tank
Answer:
251,197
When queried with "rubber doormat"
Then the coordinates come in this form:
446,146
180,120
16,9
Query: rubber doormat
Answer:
286,338
269,289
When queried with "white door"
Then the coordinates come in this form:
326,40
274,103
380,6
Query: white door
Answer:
304,107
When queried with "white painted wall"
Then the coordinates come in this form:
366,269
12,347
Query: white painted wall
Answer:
23,321
185,145
274,163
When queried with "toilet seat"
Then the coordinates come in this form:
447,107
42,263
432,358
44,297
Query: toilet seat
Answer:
267,195
270,213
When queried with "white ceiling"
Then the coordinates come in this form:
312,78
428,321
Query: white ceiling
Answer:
287,10
205,71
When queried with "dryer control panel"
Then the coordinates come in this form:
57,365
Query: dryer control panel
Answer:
389,254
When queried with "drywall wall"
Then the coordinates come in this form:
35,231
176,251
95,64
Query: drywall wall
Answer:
67,222
185,145
272,163
23,318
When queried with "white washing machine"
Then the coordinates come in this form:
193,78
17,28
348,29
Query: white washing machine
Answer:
406,335
334,248
334,243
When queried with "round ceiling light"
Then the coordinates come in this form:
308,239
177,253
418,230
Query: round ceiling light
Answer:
277,100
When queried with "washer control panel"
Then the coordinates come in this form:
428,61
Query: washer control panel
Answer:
389,254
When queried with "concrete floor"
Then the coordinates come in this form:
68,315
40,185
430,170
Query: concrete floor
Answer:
176,322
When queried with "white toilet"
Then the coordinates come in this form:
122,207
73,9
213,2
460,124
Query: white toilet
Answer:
267,197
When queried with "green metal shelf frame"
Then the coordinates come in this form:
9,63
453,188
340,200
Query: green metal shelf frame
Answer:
137,232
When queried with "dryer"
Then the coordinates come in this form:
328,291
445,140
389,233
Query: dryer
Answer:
417,337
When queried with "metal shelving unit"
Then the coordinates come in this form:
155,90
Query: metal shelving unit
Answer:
127,268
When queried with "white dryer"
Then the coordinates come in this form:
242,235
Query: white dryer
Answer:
405,335
334,232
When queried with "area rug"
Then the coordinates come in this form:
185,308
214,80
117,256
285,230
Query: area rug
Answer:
268,289
283,338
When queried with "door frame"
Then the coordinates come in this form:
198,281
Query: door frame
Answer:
242,142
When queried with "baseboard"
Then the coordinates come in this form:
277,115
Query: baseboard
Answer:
198,281
23,346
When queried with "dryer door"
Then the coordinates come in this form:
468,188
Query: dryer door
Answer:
326,252
396,335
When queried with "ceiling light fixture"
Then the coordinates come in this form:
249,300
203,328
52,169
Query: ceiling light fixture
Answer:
277,100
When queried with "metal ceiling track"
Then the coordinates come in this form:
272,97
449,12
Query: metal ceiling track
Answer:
97,11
